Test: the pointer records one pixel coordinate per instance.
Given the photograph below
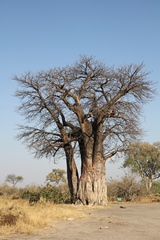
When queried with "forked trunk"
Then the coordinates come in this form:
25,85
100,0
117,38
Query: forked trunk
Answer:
92,186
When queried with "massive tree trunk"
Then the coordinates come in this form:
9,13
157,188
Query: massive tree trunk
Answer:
92,186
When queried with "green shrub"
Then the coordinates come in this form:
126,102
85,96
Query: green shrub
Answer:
155,187
34,197
25,194
56,194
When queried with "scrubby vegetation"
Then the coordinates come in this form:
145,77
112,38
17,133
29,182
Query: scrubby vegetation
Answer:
18,216
129,189
22,210
55,194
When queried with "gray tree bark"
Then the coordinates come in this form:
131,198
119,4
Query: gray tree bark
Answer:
92,186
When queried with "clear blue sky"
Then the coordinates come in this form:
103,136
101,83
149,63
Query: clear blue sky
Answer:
40,34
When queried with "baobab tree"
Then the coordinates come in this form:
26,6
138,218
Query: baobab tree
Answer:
87,111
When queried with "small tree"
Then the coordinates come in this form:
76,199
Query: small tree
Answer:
56,176
144,159
13,179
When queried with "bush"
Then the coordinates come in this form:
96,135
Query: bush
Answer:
56,194
127,188
6,190
25,194
155,187
34,197
112,189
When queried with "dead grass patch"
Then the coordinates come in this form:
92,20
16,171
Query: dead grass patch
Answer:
148,199
17,216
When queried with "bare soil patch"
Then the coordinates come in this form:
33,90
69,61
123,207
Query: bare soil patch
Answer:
118,221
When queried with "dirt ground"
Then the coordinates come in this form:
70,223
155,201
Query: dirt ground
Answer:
119,221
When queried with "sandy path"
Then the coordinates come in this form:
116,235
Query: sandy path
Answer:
133,222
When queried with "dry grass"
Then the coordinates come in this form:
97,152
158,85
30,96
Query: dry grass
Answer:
148,199
17,216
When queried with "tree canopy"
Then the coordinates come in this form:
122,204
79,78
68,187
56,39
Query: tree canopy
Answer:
87,110
13,179
144,159
56,176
